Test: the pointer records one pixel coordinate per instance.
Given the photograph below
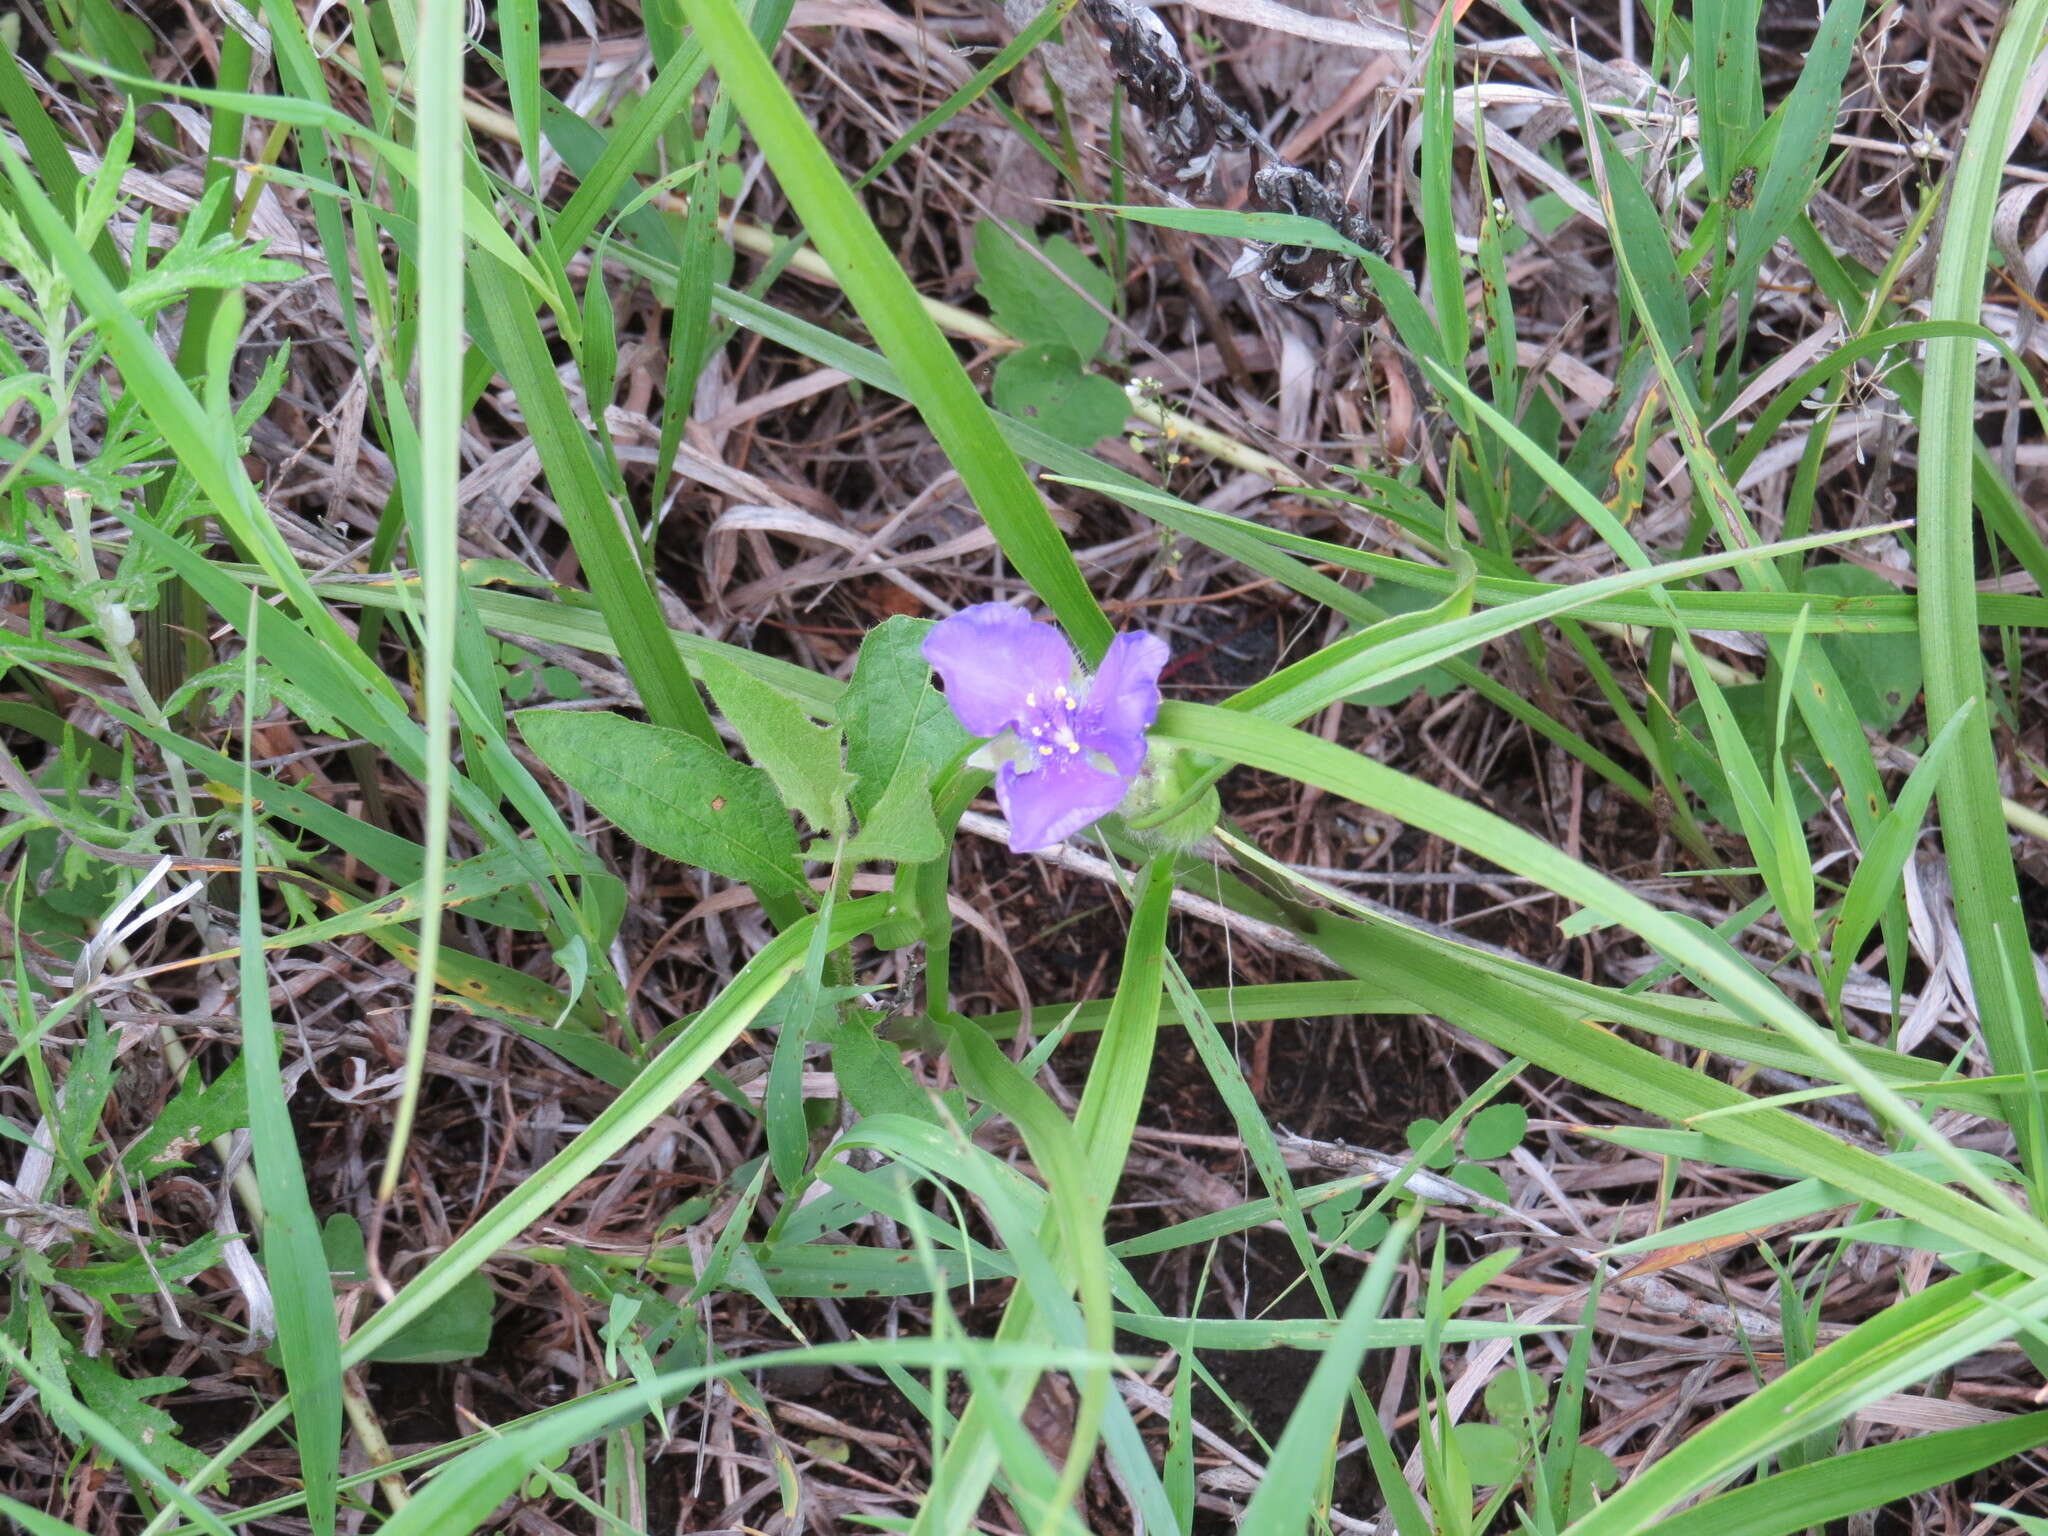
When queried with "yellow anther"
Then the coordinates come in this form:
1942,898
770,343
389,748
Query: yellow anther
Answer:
1045,751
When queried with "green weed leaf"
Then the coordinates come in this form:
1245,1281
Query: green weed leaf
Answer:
901,827
896,721
458,1328
1481,1180
802,758
1881,672
672,793
1031,302
1419,1133
198,1113
1495,1131
1492,1455
1045,385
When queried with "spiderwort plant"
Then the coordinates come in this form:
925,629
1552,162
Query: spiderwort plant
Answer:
1077,742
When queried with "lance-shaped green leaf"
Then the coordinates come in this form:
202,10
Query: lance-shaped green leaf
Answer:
672,793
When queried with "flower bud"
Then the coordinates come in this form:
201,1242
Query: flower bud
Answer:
1173,806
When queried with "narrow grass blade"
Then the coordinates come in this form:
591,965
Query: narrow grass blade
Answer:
1285,1500
650,1097
293,1258
1981,872
1907,1342
34,1521
933,378
1842,1486
2017,1236
433,514
465,1492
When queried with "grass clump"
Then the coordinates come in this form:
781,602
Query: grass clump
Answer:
519,1012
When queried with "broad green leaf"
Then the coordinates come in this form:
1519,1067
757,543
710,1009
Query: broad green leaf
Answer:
802,758
1031,302
126,1402
901,828
1593,1470
1517,1402
1044,384
1484,1180
873,1077
1881,672
1492,1454
459,1328
1421,1133
896,721
672,793
87,1424
1495,1131
348,1256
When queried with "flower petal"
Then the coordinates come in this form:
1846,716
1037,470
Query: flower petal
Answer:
993,658
1123,700
1049,804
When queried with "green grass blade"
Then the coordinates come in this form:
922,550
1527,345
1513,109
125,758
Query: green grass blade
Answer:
510,332
1812,1496
1906,1343
1096,1147
932,376
1286,1497
463,1495
1043,25
293,1258
1259,744
1876,880
650,1097
1800,135
34,1521
1986,887
433,510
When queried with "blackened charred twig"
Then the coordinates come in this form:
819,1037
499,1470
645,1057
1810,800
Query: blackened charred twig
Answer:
1190,123
1290,271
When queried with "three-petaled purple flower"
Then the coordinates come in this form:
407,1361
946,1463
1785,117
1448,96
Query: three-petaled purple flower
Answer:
1080,740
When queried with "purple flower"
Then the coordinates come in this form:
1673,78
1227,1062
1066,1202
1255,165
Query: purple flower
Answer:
1080,740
